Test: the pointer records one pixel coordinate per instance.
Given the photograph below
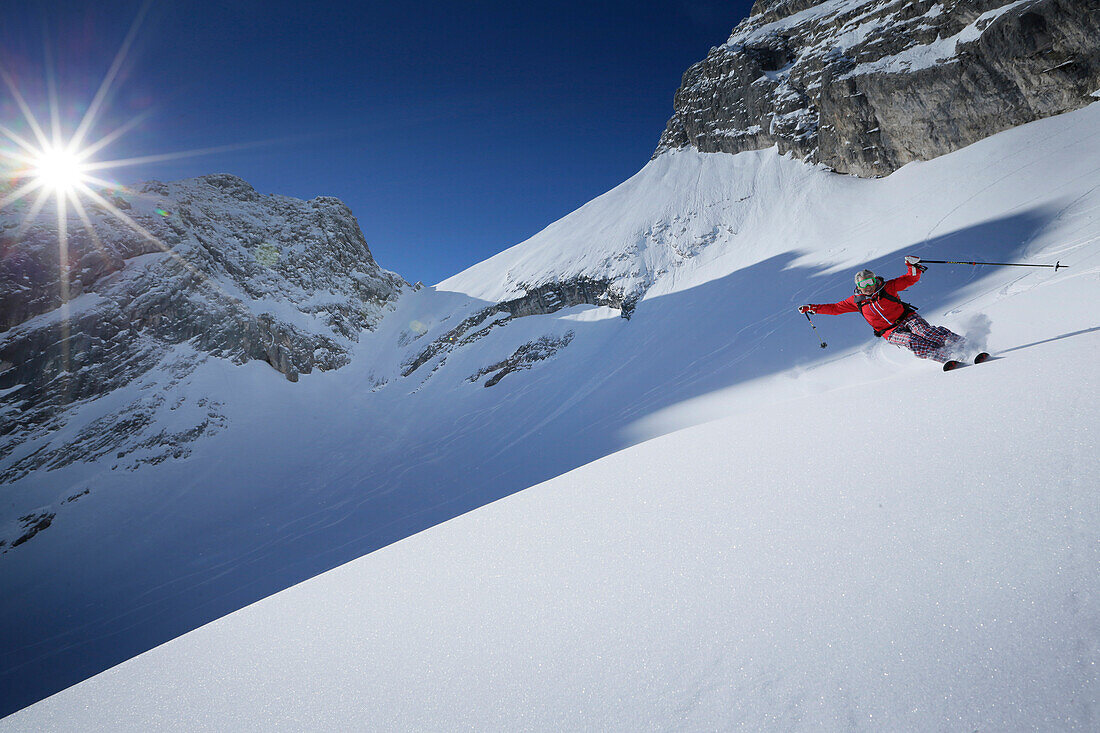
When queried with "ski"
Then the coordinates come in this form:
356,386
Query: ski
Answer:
952,364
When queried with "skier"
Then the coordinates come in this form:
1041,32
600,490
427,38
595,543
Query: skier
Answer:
894,320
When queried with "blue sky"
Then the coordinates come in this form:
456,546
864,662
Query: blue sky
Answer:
453,129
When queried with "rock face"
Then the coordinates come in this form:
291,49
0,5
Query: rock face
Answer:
538,300
866,86
524,357
208,264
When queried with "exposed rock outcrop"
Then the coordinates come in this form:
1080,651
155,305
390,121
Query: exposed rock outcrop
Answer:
866,86
541,300
524,357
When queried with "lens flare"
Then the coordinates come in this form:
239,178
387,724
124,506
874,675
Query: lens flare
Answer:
267,254
58,170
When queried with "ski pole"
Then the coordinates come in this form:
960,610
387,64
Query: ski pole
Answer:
823,344
1057,265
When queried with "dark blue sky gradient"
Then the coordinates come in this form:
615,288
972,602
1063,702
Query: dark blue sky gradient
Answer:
452,129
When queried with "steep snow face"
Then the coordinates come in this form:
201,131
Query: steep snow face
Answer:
812,540
683,208
464,394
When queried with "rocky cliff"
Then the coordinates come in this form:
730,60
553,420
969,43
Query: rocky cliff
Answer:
866,86
207,264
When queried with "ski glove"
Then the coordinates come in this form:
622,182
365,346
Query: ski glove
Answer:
805,309
914,262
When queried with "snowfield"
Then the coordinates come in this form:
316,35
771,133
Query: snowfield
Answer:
693,519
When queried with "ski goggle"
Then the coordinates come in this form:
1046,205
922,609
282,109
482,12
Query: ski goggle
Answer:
866,283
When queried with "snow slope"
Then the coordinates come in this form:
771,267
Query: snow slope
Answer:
917,552
798,538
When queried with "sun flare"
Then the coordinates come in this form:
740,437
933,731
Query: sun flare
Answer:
59,170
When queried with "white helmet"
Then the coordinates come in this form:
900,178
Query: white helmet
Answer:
863,276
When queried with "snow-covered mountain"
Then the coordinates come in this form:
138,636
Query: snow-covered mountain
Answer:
798,539
757,504
199,268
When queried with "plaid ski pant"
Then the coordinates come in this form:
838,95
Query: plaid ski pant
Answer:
924,340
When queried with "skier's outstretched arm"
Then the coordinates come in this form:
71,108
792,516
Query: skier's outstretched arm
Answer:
848,305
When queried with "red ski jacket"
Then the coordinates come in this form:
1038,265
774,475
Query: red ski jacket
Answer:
882,309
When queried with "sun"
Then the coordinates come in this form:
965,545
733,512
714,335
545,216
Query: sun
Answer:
59,169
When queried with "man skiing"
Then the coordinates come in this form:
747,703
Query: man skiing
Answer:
894,320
